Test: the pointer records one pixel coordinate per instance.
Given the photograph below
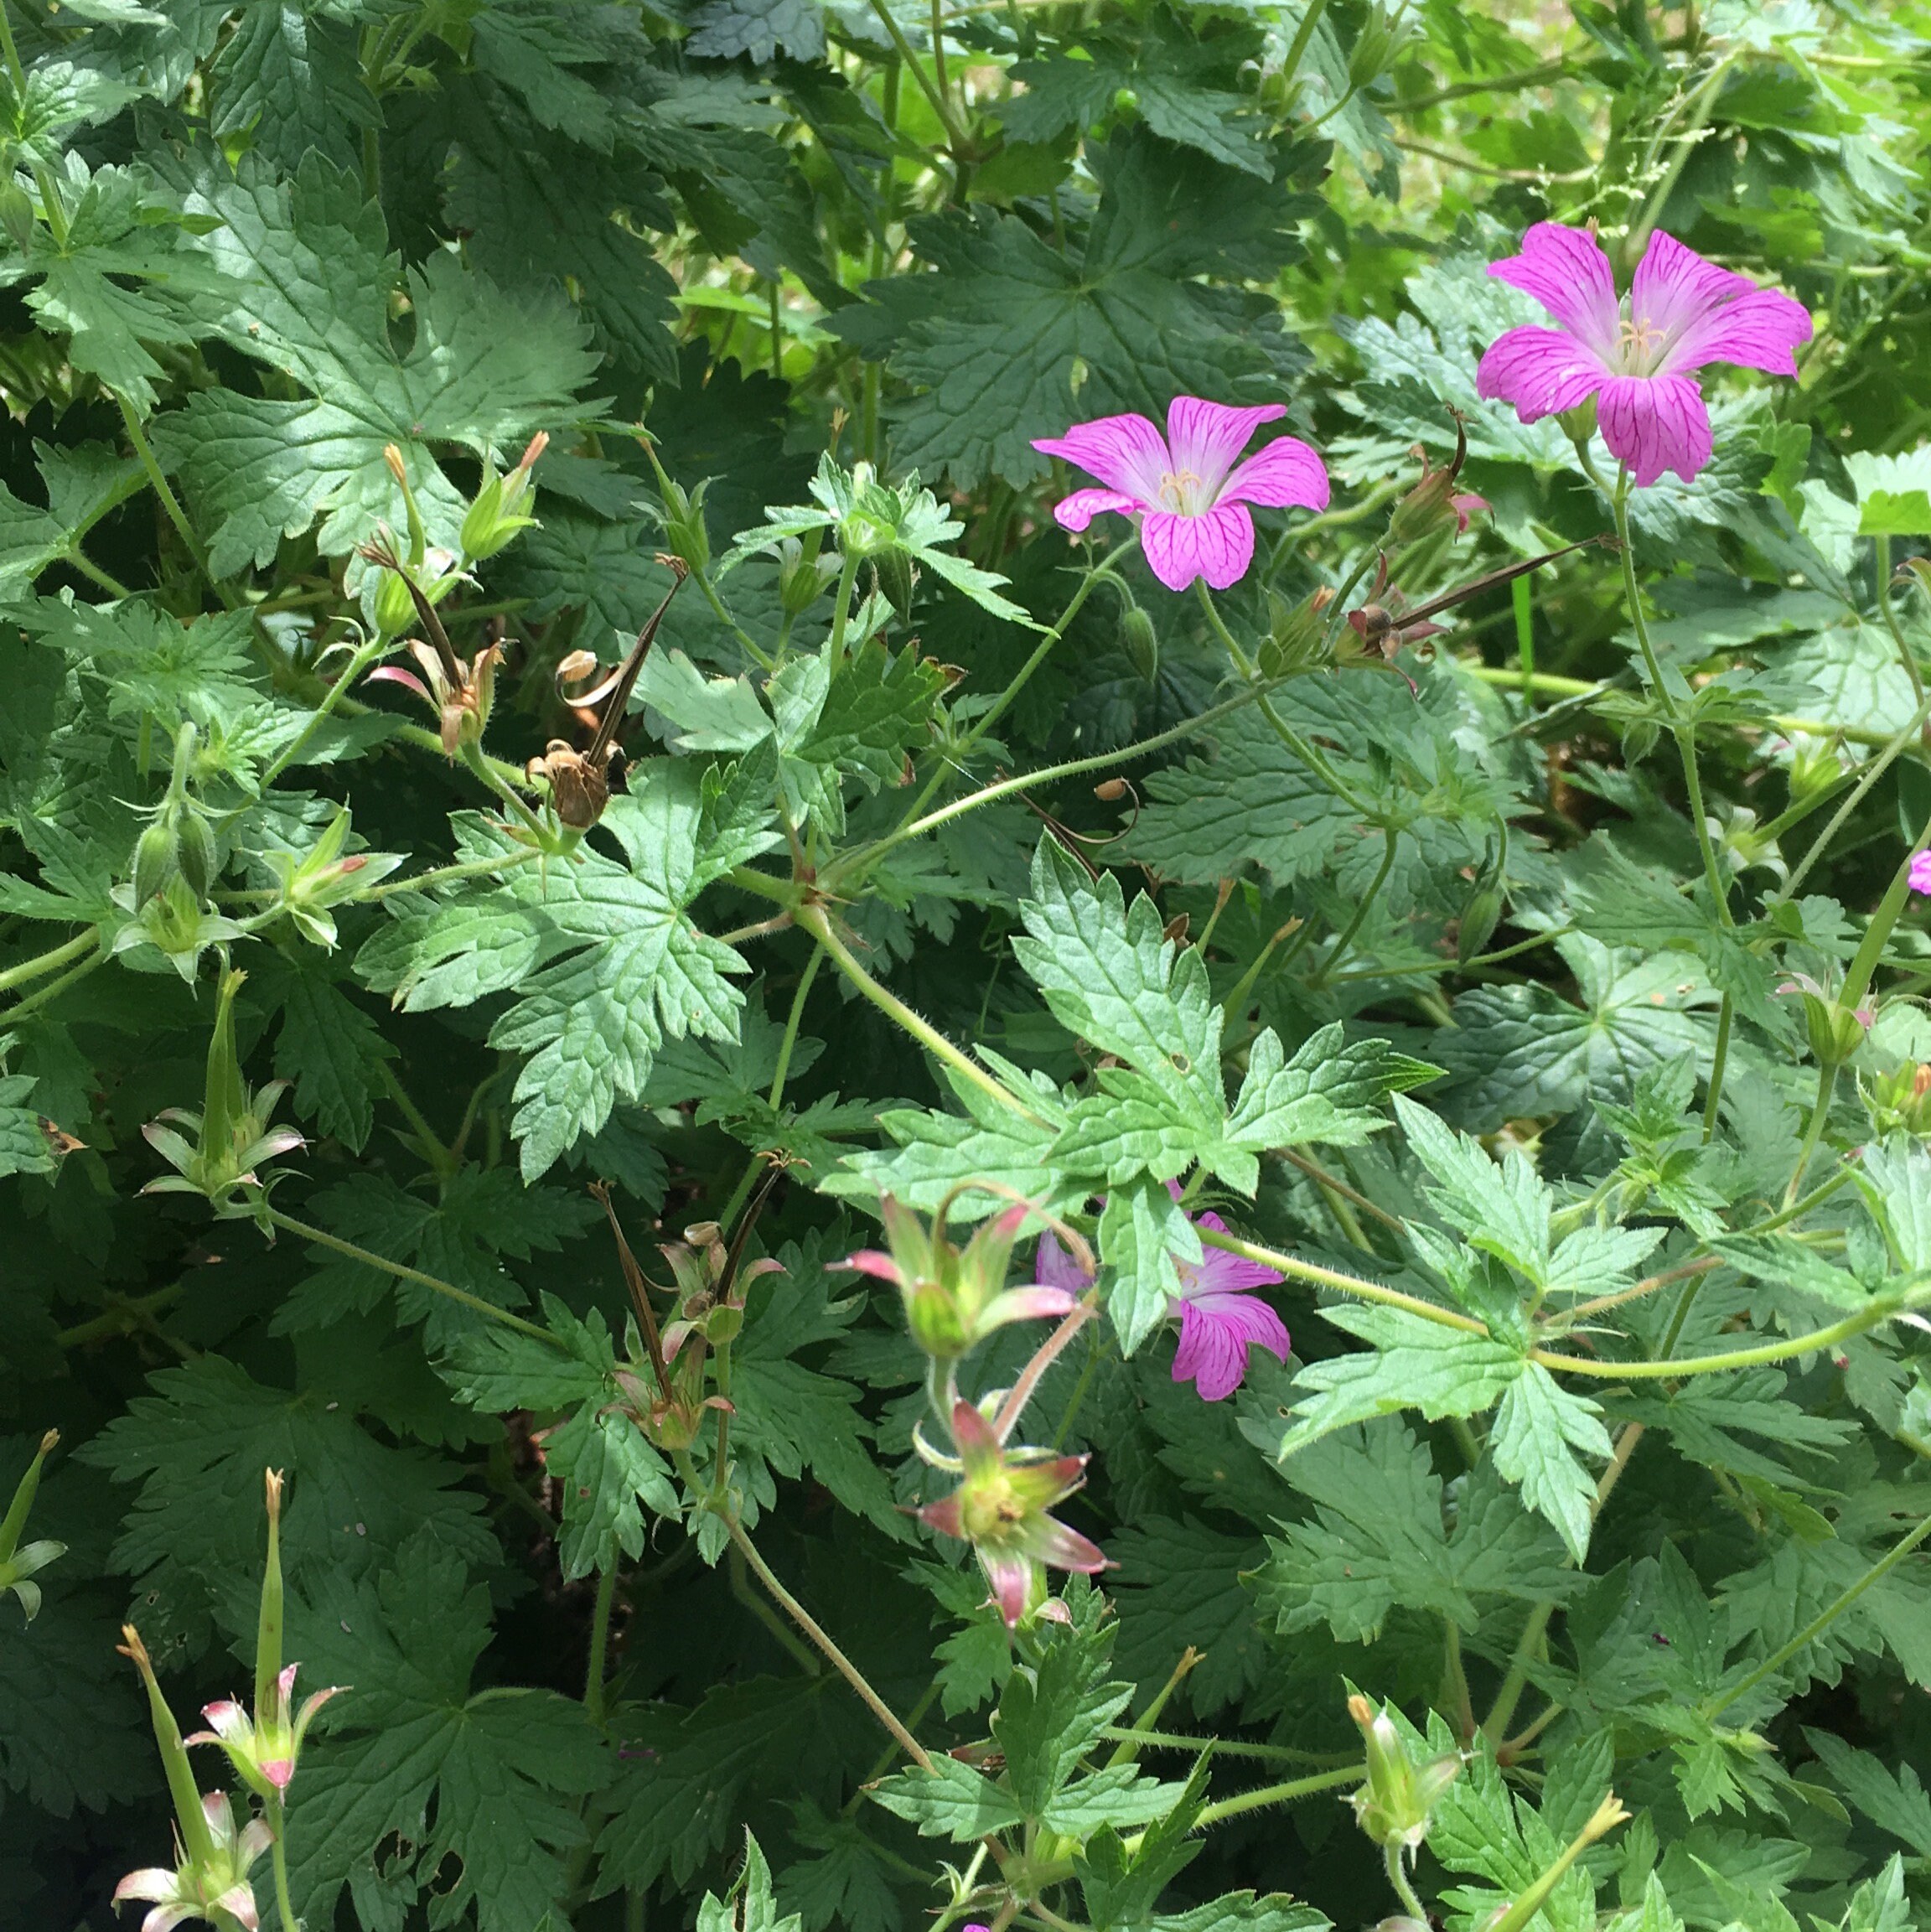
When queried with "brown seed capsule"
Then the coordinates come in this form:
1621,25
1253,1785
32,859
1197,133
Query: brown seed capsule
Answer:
1108,789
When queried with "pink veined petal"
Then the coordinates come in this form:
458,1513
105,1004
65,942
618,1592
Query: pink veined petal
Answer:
1218,546
1033,1304
1566,270
1074,512
873,1261
1055,1267
1465,507
150,1883
1009,1579
1287,472
1218,1271
1053,1544
1655,423
1921,872
1675,287
239,1902
1210,1355
1541,370
972,1436
1250,1317
1206,438
1126,452
394,674
943,1516
1759,330
166,1917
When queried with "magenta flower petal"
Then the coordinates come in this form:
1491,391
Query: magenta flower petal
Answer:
1205,439
1655,423
1065,1549
394,674
1566,270
1055,1267
1216,1331
1542,371
1285,473
1076,511
1126,452
1921,872
1218,546
1010,1577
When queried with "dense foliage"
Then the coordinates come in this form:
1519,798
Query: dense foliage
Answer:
1204,1213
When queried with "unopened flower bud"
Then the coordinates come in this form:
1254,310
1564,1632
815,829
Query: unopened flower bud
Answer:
1835,1030
194,852
1480,915
1140,644
392,608
1397,1803
896,578
155,855
1900,1101
1579,424
801,573
1296,635
497,514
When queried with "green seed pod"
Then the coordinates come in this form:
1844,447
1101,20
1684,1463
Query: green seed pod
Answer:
393,608
194,853
156,857
1141,646
896,578
1479,918
1579,423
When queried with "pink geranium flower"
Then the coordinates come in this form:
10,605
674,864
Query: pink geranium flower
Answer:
1220,1318
1921,872
1185,487
1683,312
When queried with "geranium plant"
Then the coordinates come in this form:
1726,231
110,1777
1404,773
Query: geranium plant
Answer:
964,967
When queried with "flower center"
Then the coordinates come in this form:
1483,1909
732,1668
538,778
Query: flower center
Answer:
1179,491
1642,343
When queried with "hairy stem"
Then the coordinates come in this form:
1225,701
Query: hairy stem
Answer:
1319,976
325,1239
840,1662
1398,1878
593,1676
812,918
163,490
44,963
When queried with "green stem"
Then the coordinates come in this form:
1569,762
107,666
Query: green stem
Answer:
1822,1622
1608,1814
1826,1085
78,559
1266,1795
841,607
1299,1269
483,767
1718,1060
1298,46
1487,959
856,866
163,489
840,1662
781,1634
1905,655
447,874
1874,770
54,988
953,133
813,919
15,72
1503,1710
1282,730
44,963
1222,1747
786,1046
278,1846
449,1289
1002,704
359,663
1398,1878
1680,727
433,1150
1881,1311
1347,939
1705,99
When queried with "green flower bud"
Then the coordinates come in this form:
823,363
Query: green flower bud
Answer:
1141,646
1396,1803
802,574
392,608
1480,915
1296,639
195,853
1579,423
896,578
1900,1101
156,856
496,516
